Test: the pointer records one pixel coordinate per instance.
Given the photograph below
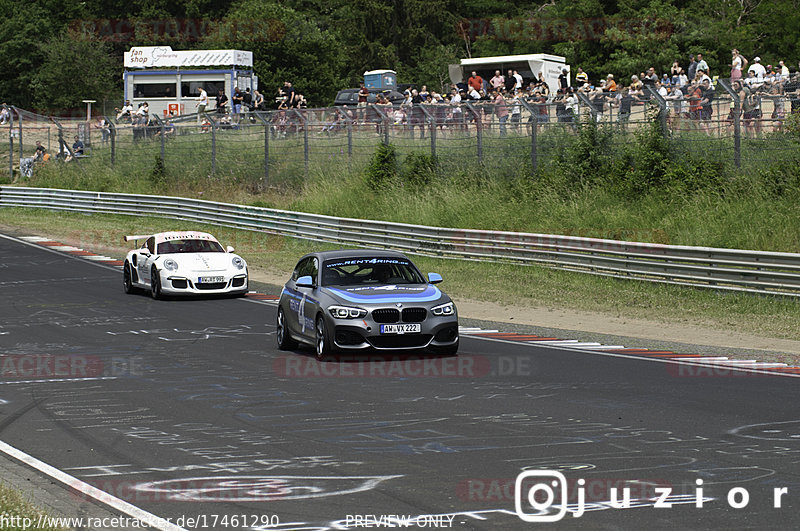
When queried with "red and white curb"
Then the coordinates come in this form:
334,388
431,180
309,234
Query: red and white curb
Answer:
663,355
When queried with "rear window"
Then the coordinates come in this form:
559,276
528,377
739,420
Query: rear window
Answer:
189,246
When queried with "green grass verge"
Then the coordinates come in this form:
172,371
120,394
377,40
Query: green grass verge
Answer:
768,316
16,509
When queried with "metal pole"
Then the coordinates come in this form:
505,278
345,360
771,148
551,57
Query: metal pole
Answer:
534,127
662,107
737,127
305,141
112,131
19,126
11,147
478,128
431,119
213,147
266,146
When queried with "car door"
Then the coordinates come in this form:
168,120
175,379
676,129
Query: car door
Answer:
144,259
308,303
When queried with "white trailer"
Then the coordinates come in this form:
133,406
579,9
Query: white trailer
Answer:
529,66
169,80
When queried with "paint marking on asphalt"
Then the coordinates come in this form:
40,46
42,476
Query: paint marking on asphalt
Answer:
96,494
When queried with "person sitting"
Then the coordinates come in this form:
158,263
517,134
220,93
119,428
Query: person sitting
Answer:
78,147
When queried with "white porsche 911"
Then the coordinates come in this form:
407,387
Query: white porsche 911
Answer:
183,263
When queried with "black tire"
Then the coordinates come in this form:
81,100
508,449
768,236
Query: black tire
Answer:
127,279
322,345
155,284
285,341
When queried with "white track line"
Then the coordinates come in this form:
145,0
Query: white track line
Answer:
100,496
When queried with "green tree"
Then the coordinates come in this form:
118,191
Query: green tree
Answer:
73,70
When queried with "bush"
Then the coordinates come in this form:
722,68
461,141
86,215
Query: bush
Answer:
382,169
419,169
158,175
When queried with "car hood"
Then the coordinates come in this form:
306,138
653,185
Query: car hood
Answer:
203,261
385,293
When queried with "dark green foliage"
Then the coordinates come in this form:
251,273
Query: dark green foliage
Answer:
158,176
418,169
382,170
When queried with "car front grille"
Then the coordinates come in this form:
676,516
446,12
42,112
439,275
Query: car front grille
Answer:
386,315
180,283
237,282
210,285
414,315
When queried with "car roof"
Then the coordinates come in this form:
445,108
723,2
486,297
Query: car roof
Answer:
357,253
162,237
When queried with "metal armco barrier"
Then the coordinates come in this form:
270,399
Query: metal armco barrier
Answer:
706,267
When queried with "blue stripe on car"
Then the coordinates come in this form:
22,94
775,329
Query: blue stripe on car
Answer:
430,293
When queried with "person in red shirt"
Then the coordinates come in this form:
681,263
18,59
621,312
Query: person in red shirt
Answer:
475,81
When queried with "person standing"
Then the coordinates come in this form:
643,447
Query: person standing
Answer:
738,62
202,103
691,71
222,102
500,110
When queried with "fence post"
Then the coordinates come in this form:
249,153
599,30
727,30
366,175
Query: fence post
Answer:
662,107
304,121
478,129
19,128
112,131
266,145
213,147
431,119
534,126
737,123
11,146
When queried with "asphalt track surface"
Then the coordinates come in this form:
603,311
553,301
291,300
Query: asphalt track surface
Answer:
186,409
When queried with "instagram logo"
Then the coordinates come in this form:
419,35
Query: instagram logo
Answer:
541,487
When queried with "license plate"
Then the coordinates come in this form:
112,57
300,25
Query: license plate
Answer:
210,280
401,328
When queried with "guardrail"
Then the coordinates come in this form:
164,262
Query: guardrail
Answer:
705,267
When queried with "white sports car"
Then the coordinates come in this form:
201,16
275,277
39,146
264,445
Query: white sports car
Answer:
183,263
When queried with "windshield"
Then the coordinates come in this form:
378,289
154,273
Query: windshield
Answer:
189,246
370,271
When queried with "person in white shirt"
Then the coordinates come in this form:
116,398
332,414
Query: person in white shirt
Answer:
758,68
518,78
784,70
202,103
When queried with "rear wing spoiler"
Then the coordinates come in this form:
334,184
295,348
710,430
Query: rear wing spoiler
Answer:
131,238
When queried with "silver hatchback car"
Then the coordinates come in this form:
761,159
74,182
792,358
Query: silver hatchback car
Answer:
354,300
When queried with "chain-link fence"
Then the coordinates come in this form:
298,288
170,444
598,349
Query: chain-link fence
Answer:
286,146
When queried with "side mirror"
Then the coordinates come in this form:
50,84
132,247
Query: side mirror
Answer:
434,278
229,249
305,282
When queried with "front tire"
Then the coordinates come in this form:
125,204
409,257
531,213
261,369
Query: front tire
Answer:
285,342
155,284
322,344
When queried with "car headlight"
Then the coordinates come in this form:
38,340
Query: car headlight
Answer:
170,264
238,263
444,309
345,312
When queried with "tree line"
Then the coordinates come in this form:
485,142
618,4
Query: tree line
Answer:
55,53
